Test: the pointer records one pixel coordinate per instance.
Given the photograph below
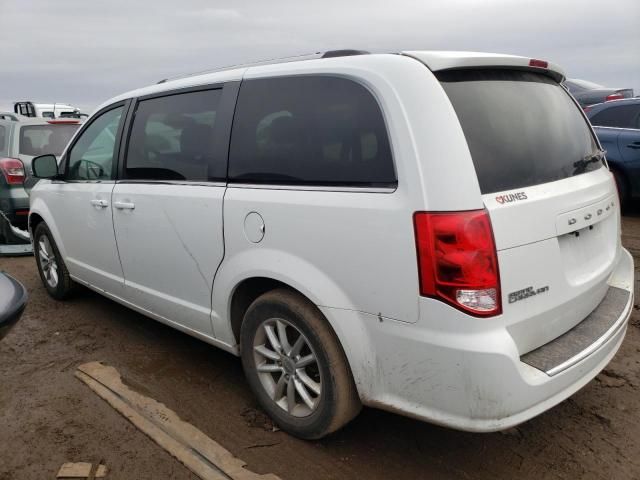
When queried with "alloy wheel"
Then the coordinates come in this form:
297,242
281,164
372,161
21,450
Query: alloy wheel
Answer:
287,367
48,261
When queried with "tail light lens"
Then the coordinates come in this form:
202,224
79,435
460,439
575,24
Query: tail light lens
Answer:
13,170
457,260
614,96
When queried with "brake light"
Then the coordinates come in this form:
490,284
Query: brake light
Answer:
614,96
457,260
534,62
13,170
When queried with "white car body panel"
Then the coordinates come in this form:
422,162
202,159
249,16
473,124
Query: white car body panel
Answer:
160,241
84,230
185,249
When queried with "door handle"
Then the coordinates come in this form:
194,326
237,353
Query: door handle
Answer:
124,205
99,203
634,145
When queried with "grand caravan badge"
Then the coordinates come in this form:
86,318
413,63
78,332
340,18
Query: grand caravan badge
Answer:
526,293
511,197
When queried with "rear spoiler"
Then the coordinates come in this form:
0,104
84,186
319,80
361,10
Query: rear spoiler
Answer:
437,61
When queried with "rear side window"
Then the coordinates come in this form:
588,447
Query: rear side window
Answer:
620,116
172,138
309,131
522,128
3,138
43,139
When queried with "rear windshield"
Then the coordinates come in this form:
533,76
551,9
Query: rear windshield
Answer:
522,128
42,139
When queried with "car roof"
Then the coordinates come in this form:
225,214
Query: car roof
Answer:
598,107
434,60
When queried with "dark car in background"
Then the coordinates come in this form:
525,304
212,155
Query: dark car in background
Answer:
589,93
617,124
13,298
21,140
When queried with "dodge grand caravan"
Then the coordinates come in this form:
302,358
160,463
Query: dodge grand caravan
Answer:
431,233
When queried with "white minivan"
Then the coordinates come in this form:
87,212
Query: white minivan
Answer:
431,233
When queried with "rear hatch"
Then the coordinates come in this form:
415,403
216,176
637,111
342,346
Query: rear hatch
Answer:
551,199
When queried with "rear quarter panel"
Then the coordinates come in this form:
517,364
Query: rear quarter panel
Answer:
355,250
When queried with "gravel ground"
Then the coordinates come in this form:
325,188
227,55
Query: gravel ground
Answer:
47,417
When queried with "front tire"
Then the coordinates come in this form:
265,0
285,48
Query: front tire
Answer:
295,365
53,271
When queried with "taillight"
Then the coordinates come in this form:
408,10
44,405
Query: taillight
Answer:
614,96
457,260
13,170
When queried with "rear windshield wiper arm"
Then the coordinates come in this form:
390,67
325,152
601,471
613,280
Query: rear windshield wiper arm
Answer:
582,164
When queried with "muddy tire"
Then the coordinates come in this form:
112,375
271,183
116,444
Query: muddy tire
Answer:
295,365
52,269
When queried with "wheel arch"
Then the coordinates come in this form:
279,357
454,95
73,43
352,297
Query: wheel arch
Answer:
39,213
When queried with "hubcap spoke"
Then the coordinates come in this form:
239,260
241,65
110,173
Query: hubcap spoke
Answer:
297,347
267,352
305,361
309,382
282,336
302,391
273,338
269,368
291,396
280,386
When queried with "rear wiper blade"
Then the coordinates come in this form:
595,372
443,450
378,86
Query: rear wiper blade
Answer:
581,165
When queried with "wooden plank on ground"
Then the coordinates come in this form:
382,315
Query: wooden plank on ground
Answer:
80,470
199,453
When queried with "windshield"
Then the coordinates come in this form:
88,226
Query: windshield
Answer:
43,139
522,128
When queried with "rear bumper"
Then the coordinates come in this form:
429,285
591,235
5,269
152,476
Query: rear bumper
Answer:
477,381
13,202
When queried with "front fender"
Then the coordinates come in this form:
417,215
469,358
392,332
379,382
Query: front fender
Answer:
39,207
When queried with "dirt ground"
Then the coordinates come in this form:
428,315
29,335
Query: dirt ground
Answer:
48,417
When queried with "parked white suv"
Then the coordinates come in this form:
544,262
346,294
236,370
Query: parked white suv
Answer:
431,233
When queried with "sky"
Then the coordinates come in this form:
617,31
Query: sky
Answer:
85,52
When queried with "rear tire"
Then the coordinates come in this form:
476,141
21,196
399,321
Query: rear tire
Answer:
53,271
295,365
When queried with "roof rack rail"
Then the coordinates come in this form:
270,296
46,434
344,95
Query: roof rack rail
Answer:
293,58
343,53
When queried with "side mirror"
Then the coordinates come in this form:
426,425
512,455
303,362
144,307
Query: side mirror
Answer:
45,166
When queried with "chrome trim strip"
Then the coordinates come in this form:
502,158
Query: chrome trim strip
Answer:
617,128
173,182
595,346
312,188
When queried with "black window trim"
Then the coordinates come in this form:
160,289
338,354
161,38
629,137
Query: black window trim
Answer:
126,104
224,115
323,186
635,120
